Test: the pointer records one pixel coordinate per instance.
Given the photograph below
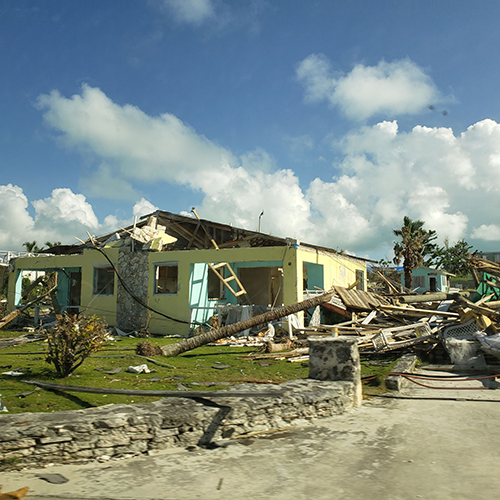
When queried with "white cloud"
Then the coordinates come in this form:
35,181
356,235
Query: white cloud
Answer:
193,12
449,181
299,145
143,207
98,185
63,208
16,225
129,142
60,217
389,88
487,232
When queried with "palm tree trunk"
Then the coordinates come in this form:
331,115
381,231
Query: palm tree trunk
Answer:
408,278
227,331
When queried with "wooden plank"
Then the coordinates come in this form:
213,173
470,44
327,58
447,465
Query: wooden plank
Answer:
369,318
33,285
190,242
7,319
483,310
188,234
241,289
388,283
359,299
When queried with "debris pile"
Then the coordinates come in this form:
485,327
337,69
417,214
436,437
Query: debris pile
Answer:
465,324
152,236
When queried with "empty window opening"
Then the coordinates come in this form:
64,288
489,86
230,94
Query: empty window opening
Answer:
104,280
360,278
166,278
215,286
264,285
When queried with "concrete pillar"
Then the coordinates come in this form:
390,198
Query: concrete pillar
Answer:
336,358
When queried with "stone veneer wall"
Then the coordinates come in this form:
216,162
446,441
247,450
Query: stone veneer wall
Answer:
134,269
334,387
117,430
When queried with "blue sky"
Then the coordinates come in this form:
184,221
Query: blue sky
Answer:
336,118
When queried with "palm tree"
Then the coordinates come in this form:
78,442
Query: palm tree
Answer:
32,247
227,331
414,245
49,244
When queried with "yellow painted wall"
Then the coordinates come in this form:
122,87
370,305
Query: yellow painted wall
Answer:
178,305
102,306
338,269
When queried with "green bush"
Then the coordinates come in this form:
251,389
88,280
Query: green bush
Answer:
73,340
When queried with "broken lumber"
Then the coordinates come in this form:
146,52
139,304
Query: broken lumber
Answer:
273,355
227,331
7,319
392,288
481,309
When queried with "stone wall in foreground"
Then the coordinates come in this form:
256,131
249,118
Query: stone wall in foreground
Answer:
117,430
334,387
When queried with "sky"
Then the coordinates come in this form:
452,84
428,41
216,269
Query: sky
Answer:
334,118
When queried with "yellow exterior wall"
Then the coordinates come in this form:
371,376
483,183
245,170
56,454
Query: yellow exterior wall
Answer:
338,269
178,305
102,306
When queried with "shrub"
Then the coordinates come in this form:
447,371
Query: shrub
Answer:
73,340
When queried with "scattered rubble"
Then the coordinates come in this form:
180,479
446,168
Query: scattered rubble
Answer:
464,324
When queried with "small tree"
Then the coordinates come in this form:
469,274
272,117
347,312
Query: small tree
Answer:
452,258
414,245
73,340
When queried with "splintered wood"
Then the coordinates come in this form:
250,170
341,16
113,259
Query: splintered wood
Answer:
383,323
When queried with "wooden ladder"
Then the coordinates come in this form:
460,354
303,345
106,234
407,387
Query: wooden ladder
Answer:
221,265
240,290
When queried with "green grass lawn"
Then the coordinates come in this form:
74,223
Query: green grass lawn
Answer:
190,369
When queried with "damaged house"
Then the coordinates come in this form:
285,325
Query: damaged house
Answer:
426,279
169,273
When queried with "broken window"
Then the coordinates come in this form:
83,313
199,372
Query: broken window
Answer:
418,281
104,280
166,278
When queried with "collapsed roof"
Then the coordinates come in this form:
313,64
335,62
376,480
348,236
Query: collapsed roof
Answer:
188,233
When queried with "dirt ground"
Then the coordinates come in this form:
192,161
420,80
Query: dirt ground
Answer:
439,444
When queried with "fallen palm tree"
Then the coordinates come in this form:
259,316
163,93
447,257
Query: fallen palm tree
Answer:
484,265
227,331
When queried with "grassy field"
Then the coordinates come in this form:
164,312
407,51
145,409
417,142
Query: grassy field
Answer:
194,370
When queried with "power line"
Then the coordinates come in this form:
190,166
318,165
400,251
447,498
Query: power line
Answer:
138,299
